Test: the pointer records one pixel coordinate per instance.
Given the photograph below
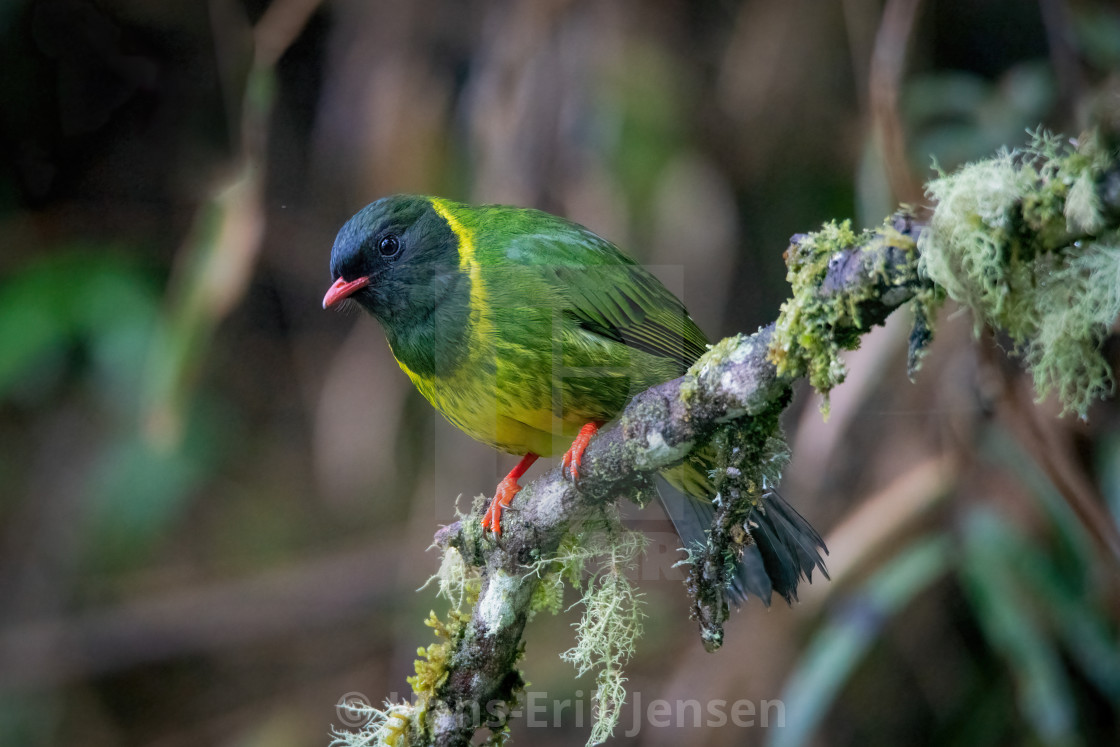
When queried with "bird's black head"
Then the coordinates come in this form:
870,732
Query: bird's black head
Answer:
399,259
389,258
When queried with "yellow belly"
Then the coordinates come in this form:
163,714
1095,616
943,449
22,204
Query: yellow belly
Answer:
518,421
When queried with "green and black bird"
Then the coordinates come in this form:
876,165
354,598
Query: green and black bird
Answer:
528,331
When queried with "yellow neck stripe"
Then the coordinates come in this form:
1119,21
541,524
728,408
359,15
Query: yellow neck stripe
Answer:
482,327
467,261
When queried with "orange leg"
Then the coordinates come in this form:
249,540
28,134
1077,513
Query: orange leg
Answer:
507,489
574,455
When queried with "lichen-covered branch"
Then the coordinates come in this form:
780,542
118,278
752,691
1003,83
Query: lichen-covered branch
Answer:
735,381
843,284
1028,241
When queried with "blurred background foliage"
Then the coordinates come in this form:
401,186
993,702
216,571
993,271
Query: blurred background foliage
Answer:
215,498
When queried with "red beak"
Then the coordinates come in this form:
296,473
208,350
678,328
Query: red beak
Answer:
343,289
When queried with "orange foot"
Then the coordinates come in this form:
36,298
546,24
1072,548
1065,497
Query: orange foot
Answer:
507,489
574,455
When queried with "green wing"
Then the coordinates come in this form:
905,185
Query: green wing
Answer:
626,304
605,292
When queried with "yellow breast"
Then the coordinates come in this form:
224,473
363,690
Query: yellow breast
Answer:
488,395
513,420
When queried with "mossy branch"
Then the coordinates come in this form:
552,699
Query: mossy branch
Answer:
1057,211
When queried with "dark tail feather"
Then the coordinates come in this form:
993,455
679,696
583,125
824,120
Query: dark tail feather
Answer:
789,546
785,549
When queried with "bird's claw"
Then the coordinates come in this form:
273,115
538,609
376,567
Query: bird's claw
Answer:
492,519
574,455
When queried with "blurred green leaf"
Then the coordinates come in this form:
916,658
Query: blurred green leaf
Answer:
1098,34
139,489
1081,623
1011,627
142,486
117,309
961,116
641,108
1073,550
29,720
107,308
944,95
1061,581
981,711
34,323
1108,461
87,298
837,649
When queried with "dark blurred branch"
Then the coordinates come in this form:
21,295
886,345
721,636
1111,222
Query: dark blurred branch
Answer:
280,25
317,594
1061,39
888,63
1061,466
214,266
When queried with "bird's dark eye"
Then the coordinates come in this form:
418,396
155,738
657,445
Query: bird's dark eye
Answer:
389,246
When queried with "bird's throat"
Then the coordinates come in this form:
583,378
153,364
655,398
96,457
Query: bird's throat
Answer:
432,338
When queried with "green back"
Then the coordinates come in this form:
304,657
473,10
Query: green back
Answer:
598,288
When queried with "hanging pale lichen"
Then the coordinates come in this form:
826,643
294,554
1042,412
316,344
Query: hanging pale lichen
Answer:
610,626
1023,241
